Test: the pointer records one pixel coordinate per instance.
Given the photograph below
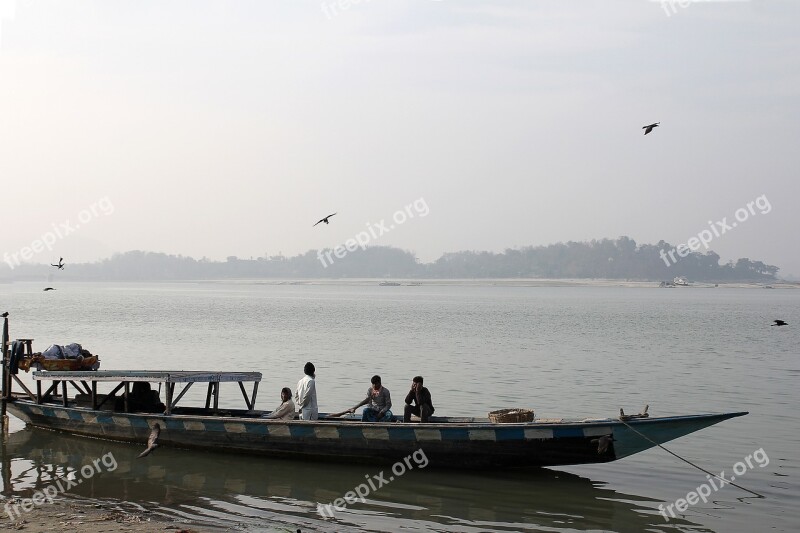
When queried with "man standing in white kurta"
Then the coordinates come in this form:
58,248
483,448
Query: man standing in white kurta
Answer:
306,395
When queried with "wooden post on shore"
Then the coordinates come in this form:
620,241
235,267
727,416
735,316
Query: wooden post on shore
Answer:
6,376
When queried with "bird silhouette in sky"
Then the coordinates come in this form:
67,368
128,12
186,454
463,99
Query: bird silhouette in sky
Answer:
325,220
48,289
60,264
648,129
779,323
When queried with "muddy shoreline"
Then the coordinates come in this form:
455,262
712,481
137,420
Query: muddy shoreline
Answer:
68,515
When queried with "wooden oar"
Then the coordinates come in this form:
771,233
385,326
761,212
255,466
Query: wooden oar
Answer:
337,415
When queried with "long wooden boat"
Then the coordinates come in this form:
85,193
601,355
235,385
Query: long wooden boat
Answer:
445,441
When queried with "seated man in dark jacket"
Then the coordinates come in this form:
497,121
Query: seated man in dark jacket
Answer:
422,397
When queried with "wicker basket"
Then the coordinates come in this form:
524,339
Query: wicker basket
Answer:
510,416
85,363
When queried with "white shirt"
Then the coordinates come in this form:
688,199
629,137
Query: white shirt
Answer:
306,395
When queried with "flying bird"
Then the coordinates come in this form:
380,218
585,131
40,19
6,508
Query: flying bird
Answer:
60,264
48,289
325,220
648,129
152,441
779,323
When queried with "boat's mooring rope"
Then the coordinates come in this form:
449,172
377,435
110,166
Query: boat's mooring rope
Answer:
727,481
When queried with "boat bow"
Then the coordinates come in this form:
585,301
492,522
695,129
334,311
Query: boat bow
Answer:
634,436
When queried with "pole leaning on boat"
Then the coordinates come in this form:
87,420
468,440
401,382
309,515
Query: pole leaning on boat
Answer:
3,382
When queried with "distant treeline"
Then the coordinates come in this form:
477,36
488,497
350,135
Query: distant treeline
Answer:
607,258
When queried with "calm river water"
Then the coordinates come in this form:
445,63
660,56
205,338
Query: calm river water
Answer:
563,351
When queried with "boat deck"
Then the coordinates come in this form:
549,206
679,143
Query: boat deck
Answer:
225,413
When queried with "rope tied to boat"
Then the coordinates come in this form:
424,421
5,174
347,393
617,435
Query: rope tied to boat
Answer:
727,481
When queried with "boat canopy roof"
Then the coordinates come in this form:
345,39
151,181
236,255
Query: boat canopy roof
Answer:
164,376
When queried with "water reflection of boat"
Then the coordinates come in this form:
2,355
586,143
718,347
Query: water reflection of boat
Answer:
211,485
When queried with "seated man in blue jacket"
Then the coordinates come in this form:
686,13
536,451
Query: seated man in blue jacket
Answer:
421,396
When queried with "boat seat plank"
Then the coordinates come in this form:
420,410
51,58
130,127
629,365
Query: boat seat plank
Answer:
178,376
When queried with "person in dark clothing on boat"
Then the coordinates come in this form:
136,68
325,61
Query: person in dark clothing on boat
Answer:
141,399
379,403
420,396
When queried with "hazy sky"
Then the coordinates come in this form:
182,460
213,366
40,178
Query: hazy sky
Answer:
229,128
